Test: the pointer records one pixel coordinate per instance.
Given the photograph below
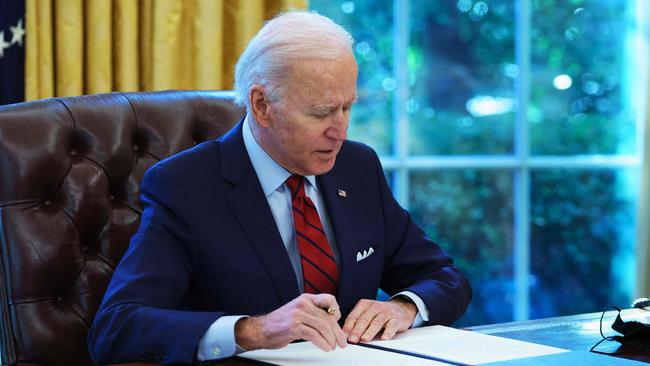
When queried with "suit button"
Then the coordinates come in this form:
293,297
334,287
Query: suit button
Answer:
216,351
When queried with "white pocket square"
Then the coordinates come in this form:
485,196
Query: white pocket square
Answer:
365,254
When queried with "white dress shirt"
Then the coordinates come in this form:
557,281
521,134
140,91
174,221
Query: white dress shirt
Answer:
219,340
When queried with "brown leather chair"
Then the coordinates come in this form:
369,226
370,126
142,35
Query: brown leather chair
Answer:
70,171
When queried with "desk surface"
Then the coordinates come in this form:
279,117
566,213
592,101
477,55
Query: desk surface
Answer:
574,332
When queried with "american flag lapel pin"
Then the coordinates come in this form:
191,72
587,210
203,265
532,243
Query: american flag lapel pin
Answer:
342,193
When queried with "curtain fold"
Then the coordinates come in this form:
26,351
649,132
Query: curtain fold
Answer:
68,47
39,70
79,47
126,58
98,46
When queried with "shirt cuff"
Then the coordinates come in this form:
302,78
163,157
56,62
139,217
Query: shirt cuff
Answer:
219,340
423,312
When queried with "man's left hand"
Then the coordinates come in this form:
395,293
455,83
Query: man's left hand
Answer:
369,317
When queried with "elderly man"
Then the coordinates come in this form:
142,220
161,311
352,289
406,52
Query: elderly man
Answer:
281,230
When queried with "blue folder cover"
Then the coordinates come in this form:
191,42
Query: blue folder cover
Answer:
572,358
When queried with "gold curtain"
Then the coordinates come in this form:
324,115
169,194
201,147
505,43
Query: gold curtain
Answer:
79,47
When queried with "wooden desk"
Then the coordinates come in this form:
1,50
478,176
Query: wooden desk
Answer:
575,332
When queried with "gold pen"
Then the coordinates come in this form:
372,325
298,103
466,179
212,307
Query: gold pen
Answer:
331,310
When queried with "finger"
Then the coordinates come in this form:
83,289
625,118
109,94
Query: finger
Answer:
390,329
324,301
341,337
362,324
359,328
321,321
335,313
375,326
325,325
309,304
311,335
354,315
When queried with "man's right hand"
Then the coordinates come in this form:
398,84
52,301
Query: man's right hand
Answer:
305,317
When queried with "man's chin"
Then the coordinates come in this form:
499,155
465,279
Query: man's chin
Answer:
323,167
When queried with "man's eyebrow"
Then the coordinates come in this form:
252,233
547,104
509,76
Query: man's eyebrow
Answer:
328,107
324,107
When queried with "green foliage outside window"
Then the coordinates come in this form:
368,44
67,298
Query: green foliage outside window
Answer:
462,83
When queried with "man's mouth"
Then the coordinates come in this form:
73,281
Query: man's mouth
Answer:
326,152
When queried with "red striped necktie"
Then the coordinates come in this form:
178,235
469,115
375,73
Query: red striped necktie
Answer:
318,264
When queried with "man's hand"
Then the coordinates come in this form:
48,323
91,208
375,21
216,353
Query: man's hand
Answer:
302,318
369,317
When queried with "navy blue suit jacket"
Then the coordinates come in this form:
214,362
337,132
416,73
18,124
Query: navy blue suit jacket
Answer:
208,246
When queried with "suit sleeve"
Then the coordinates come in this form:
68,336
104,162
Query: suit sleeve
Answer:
417,264
139,317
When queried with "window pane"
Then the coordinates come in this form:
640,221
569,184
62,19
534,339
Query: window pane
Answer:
461,77
580,98
469,213
582,240
371,25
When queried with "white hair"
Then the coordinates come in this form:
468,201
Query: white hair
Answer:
282,40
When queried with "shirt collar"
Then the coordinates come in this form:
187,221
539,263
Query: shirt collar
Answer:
271,174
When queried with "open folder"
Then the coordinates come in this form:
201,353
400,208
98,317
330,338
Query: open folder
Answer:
435,345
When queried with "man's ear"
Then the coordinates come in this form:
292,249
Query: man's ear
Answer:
260,105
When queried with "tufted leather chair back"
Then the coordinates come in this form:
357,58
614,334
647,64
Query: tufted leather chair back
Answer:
70,171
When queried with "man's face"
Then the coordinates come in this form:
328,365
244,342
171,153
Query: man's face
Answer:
307,127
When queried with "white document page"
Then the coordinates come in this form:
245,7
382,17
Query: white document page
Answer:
464,346
305,353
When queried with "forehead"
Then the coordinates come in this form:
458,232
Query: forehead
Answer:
323,80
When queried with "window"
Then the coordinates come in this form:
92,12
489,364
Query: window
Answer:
508,128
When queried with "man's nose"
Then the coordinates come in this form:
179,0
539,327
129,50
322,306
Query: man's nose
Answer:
338,129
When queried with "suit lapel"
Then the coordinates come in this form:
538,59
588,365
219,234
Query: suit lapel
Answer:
248,203
343,224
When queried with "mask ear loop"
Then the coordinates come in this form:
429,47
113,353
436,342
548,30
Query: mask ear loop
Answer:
611,338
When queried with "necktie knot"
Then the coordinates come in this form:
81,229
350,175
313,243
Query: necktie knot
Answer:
296,184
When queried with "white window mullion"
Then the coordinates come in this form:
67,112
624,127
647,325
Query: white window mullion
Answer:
400,125
513,162
638,58
522,174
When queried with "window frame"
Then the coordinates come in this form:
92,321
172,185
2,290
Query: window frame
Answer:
521,163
